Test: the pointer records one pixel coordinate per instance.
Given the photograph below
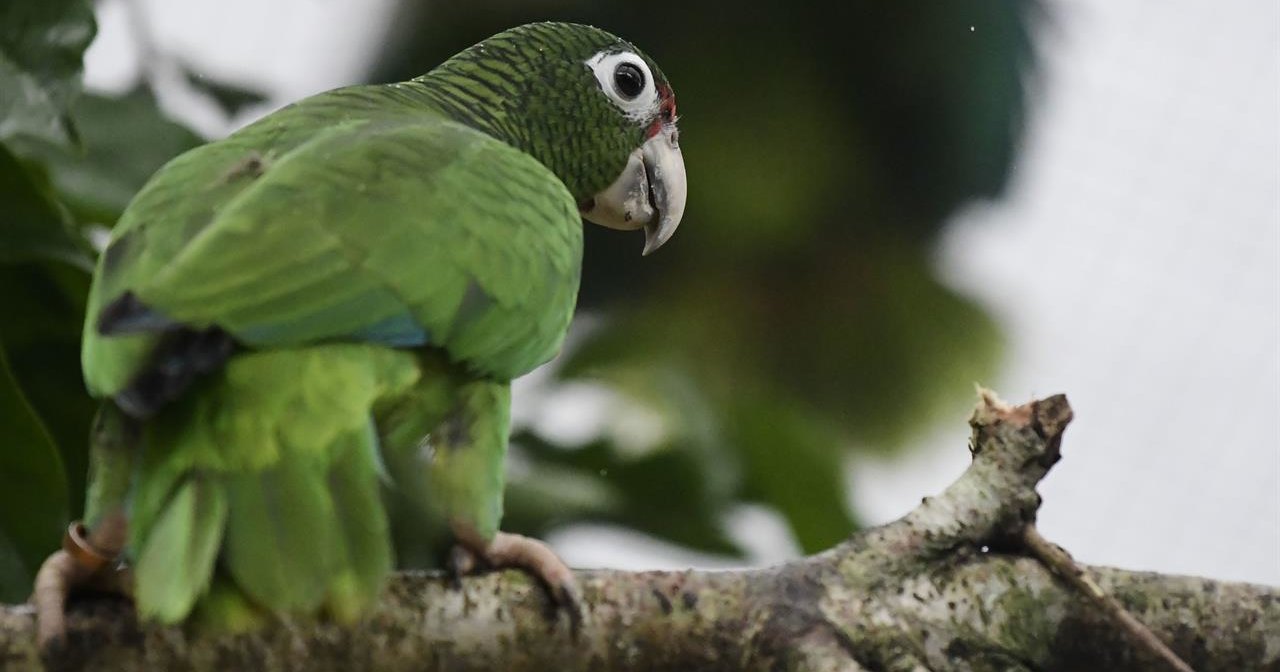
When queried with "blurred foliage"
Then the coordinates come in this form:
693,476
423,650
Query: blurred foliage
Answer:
797,315
30,471
663,492
44,265
231,98
40,49
67,162
826,144
125,140
36,225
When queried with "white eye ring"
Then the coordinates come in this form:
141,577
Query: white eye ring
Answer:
640,107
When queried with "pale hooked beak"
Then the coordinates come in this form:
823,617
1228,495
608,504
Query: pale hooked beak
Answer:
649,193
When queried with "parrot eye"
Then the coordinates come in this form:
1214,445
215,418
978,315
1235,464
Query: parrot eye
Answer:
626,79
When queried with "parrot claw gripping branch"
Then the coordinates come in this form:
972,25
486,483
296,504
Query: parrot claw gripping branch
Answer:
303,335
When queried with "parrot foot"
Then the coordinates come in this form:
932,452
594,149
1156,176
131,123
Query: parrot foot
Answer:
87,561
517,551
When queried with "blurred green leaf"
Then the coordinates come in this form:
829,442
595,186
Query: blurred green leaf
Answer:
541,495
33,494
14,573
44,278
873,344
126,139
795,464
41,313
33,225
878,346
44,262
945,90
42,45
662,492
677,485
232,98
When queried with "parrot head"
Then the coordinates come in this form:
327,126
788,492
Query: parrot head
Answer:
650,190
591,107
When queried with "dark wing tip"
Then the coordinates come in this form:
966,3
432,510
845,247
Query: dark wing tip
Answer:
128,315
182,356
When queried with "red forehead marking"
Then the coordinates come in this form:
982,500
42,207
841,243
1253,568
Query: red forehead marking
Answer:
666,111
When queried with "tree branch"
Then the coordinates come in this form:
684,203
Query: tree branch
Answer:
947,587
1061,563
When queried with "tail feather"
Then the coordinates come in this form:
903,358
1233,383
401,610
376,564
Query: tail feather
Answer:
176,563
226,609
364,535
267,484
281,535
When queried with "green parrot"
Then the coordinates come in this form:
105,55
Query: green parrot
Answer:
305,333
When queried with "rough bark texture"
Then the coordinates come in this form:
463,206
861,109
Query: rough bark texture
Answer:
947,587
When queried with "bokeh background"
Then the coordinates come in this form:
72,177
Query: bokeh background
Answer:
887,205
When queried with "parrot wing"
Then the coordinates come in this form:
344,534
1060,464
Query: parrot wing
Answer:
409,230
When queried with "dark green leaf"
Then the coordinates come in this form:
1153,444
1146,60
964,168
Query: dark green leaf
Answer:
33,491
790,454
33,226
794,464
43,288
232,98
663,492
126,139
41,312
42,46
895,347
14,573
695,470
541,494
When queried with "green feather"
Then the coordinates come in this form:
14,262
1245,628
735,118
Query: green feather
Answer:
287,432
176,562
469,450
282,542
363,534
226,609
